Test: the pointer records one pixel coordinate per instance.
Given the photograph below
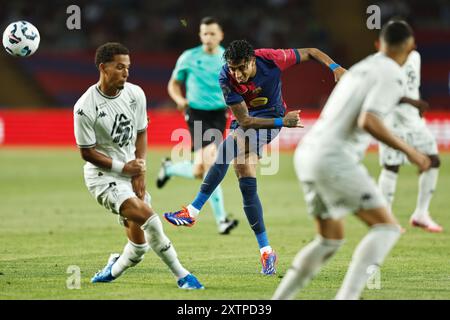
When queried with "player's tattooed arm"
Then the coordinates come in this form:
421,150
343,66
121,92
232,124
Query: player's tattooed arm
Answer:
315,54
240,111
420,104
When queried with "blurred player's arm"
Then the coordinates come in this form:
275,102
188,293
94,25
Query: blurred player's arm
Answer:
138,181
175,90
131,168
240,111
315,54
420,104
371,123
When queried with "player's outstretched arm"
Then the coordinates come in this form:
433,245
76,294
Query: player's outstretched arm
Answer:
316,54
240,111
371,123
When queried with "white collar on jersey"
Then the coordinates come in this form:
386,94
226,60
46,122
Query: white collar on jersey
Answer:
97,87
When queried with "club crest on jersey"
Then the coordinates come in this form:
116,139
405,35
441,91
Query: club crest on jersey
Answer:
133,104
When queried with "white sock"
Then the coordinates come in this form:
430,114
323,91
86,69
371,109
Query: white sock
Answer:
371,251
305,266
159,242
267,249
132,254
387,183
193,211
427,185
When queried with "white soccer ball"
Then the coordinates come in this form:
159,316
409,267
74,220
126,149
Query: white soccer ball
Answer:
21,39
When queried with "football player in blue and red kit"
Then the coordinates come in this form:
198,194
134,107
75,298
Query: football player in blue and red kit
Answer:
251,85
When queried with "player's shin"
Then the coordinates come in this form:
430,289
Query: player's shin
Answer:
427,185
388,183
371,251
305,266
162,246
132,254
252,207
215,175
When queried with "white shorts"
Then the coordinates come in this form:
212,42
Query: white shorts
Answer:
111,194
336,186
419,137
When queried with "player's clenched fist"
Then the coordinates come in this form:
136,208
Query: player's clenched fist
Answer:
292,120
134,167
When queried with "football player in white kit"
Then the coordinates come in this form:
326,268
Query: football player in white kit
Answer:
407,123
110,122
335,182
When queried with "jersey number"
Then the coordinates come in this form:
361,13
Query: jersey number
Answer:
122,131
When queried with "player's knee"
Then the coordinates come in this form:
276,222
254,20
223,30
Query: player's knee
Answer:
199,174
435,161
244,171
137,253
136,210
394,169
198,171
329,246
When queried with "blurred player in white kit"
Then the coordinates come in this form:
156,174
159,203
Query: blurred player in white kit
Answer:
407,123
110,123
335,182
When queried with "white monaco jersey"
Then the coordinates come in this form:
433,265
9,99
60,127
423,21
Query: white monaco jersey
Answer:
374,85
405,113
110,124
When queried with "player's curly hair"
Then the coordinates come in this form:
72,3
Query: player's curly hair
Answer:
106,52
239,50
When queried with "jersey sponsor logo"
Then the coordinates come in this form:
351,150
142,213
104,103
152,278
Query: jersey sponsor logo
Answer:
258,102
102,114
80,112
122,130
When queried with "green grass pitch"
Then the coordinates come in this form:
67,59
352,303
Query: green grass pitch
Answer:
49,221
